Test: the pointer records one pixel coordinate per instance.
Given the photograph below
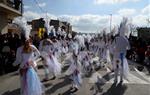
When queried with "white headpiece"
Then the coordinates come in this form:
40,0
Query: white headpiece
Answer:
23,27
124,27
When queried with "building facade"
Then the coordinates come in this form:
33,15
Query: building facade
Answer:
38,26
64,25
9,9
144,33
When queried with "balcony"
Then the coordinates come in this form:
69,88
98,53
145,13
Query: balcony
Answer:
11,8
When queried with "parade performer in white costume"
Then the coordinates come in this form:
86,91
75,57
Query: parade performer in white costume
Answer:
101,47
64,48
106,56
75,70
121,45
45,47
57,48
26,56
48,53
64,51
85,61
95,47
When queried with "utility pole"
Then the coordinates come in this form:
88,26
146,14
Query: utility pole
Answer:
110,21
46,18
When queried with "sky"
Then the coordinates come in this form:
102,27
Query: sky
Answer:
89,16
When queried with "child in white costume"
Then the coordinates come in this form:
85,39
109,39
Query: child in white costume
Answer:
64,51
106,56
57,48
101,48
95,47
30,82
75,70
48,53
85,61
45,48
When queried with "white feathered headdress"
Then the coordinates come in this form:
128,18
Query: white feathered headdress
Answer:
23,27
124,27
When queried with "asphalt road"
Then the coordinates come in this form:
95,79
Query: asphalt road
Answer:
138,84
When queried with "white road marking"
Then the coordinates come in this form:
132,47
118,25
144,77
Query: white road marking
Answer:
132,79
142,75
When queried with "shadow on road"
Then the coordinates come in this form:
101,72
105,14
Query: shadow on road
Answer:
65,68
68,92
61,84
47,85
15,74
116,89
14,92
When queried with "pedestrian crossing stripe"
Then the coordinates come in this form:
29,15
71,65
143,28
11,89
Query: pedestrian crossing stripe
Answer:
143,75
132,79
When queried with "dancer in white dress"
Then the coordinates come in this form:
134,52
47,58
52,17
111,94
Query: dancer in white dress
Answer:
45,48
85,61
48,53
26,56
75,70
64,51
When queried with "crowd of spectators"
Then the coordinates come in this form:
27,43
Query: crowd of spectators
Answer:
140,51
9,42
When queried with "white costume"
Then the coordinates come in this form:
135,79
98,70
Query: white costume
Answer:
30,82
48,54
75,71
121,45
85,60
106,56
44,49
101,48
75,67
57,49
64,49
95,47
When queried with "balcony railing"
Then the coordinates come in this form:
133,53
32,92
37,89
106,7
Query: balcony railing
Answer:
15,4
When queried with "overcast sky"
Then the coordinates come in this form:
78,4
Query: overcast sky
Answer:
89,15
